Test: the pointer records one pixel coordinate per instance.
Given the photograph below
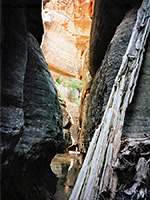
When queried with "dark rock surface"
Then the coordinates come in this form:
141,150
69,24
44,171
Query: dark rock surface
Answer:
137,121
31,124
108,14
104,78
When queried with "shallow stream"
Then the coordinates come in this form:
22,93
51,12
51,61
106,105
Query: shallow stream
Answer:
66,167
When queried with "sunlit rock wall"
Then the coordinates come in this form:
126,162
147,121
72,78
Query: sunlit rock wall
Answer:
66,35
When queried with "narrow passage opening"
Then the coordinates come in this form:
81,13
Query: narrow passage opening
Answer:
65,41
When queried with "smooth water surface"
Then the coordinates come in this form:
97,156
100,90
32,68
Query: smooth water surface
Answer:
66,167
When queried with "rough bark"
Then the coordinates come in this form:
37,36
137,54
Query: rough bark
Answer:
96,174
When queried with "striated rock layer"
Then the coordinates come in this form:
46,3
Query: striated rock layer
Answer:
66,35
105,55
137,121
104,78
31,124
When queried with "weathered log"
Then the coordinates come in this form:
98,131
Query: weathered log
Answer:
96,174
141,177
133,169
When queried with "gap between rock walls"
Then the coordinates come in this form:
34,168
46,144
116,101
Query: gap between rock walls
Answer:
65,44
67,26
60,91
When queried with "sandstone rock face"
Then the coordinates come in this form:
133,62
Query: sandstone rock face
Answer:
31,125
137,121
66,35
104,78
59,37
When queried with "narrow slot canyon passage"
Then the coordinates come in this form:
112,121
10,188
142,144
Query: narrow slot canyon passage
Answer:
83,70
75,100
67,26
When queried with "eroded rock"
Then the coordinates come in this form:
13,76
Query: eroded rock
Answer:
31,125
107,16
104,78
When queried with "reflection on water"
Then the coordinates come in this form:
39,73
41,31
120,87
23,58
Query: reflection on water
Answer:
66,167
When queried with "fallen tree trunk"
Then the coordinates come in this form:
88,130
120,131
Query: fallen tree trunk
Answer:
96,174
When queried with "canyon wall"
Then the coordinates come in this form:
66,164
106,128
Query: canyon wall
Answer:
107,16
31,124
111,30
66,35
137,121
113,23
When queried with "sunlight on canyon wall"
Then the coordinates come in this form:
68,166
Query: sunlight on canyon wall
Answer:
67,27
